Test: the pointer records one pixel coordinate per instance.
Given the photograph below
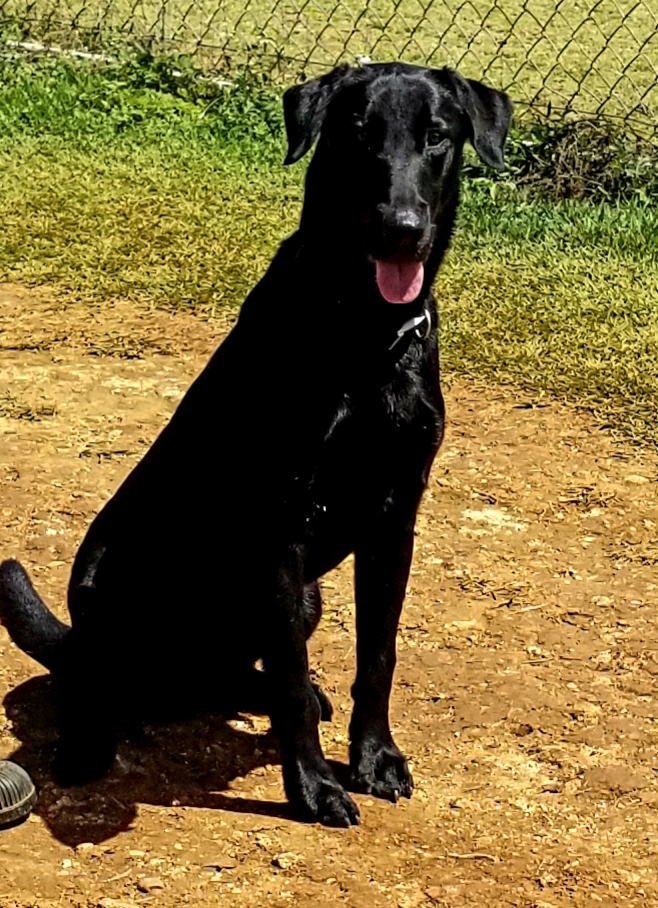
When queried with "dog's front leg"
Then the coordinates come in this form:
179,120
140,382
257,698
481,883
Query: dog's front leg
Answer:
381,572
310,784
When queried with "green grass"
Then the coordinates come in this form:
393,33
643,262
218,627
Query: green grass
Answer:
570,52
128,183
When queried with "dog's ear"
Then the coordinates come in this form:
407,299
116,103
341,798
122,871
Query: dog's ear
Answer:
490,114
304,110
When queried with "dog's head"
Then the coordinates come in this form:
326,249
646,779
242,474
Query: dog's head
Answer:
385,173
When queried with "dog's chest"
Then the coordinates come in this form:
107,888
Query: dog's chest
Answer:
354,474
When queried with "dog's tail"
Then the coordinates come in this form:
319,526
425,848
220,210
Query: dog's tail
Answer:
31,626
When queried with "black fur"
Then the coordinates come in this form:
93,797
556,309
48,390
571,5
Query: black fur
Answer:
308,436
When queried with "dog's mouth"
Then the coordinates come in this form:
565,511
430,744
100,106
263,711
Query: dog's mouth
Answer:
399,282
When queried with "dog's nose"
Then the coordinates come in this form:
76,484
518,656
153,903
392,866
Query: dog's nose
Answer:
407,224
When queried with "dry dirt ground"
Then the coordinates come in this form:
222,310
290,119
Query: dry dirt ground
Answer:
526,694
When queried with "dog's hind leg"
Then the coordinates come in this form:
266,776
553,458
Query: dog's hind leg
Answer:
248,688
87,744
326,707
312,600
253,694
312,605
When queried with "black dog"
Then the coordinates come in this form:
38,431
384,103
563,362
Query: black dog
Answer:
309,435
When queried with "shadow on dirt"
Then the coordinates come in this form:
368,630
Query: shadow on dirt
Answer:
187,762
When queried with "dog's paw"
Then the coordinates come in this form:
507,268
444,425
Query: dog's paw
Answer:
379,768
80,761
335,807
316,795
326,709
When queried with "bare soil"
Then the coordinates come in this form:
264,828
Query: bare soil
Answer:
526,694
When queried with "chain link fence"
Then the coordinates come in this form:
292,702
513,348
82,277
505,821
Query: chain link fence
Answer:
592,58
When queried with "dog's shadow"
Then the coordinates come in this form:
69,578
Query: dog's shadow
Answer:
186,761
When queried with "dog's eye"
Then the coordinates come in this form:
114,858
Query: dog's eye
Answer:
436,140
363,132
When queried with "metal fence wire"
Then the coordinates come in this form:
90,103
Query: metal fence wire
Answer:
592,58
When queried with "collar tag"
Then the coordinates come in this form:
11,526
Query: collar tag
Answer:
411,324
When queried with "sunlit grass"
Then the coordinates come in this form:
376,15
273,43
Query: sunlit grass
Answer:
119,190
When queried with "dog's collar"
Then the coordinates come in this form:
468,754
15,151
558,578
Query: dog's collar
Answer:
414,324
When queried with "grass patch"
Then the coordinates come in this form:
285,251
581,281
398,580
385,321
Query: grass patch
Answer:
172,228
143,184
577,326
142,100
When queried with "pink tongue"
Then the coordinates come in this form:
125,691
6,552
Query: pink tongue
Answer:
400,282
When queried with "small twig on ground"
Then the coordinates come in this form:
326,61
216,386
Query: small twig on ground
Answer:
119,876
473,856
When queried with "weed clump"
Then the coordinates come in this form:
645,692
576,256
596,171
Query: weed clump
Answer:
591,159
